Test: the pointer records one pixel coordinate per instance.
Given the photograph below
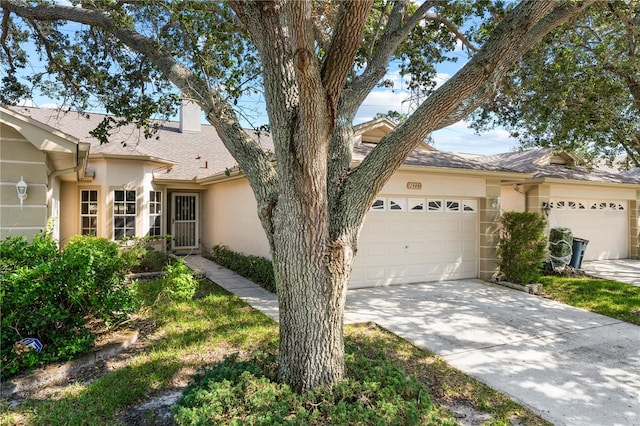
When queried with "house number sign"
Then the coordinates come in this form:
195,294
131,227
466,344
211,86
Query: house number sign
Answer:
414,185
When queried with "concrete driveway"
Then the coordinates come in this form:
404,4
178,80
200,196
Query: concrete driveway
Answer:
570,366
623,270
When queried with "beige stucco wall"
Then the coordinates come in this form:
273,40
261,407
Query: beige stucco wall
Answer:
110,174
441,185
512,200
591,191
230,219
19,158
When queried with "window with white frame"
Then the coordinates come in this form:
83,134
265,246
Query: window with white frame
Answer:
124,214
155,213
89,212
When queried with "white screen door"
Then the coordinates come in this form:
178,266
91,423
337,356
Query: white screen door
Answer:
184,221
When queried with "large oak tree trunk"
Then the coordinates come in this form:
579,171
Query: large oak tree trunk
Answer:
312,290
312,261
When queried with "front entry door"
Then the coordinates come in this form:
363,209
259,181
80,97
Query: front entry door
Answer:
184,221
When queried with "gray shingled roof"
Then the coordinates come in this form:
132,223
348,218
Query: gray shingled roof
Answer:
529,162
189,152
430,159
202,154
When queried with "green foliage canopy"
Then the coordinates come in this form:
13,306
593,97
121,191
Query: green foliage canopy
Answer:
579,89
87,68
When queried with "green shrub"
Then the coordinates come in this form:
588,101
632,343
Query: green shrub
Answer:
375,392
257,269
560,247
50,295
522,245
140,256
178,284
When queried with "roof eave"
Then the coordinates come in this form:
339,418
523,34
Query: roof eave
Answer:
145,158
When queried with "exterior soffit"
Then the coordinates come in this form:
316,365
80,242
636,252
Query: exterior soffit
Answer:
41,136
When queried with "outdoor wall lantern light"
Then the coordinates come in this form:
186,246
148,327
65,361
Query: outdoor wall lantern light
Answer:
21,187
546,207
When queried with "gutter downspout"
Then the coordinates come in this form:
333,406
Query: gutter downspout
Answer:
75,169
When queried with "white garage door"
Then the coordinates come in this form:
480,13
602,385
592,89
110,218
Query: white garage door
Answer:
409,240
604,223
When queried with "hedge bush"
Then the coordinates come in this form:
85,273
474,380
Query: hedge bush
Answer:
257,269
522,245
50,295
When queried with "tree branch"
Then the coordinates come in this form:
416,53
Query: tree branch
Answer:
557,17
524,26
253,160
454,29
395,33
338,63
3,39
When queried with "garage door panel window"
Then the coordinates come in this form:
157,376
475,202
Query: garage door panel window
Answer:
587,205
416,205
379,204
452,206
397,204
469,206
435,206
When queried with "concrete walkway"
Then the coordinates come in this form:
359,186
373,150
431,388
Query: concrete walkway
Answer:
570,366
623,270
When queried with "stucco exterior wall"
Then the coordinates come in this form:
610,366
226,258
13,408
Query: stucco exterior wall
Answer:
512,200
232,219
434,185
110,174
19,158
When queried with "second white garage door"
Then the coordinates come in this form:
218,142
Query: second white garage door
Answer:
409,240
605,223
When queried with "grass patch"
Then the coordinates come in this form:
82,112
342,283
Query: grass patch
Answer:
215,325
606,297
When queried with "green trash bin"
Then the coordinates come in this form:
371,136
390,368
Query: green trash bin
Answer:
579,246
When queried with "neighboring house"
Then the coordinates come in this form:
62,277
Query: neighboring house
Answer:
598,205
435,219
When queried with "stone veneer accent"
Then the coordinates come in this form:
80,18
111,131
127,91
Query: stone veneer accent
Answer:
489,230
634,227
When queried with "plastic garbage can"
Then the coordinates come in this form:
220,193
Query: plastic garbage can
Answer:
579,246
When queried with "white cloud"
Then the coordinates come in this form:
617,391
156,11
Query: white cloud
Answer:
459,138
26,103
31,104
396,99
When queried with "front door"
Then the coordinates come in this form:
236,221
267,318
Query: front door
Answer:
184,221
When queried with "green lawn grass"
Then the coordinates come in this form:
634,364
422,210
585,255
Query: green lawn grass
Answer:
215,325
606,297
